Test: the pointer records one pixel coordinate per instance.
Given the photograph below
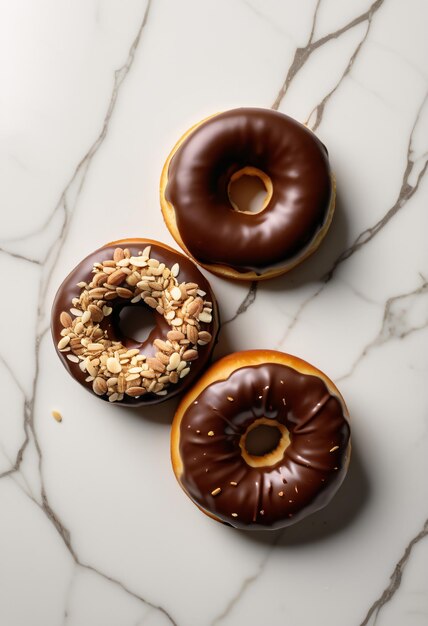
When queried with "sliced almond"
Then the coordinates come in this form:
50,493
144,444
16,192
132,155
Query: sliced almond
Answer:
155,364
151,302
184,372
116,278
96,313
135,392
110,295
91,369
99,386
174,361
86,317
162,345
163,358
122,292
205,317
205,336
65,319
94,347
62,343
190,355
175,293
138,261
113,365
173,378
192,334
148,374
195,307
118,255
132,377
98,293
175,335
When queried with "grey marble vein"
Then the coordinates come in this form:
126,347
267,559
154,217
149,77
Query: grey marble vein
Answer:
71,192
26,405
395,323
302,55
395,580
267,19
405,193
16,255
67,205
248,582
68,595
245,304
300,58
318,110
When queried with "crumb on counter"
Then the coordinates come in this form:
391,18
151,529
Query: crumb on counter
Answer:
57,415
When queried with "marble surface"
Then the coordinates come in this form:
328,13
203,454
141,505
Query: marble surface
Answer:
94,530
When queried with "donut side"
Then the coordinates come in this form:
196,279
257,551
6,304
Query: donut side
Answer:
222,371
224,270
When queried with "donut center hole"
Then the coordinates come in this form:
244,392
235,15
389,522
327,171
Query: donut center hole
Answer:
135,322
262,440
250,190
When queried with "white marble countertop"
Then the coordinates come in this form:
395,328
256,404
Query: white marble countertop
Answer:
94,530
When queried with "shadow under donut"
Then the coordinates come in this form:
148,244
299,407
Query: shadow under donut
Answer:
343,511
316,267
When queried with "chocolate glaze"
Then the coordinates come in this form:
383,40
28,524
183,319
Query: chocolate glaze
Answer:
309,473
83,272
198,177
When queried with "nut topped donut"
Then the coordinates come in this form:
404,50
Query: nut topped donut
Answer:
86,330
205,221
261,441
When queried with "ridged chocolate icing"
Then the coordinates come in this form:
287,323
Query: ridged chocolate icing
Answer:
188,273
199,173
313,465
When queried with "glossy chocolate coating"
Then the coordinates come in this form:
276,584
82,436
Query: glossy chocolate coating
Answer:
200,171
309,473
83,272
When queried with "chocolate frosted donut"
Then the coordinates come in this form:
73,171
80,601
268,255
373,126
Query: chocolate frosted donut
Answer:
86,329
261,441
294,168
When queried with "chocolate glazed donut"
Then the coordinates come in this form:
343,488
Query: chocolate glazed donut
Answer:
221,469
107,328
294,167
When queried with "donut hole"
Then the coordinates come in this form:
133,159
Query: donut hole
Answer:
135,323
249,190
264,442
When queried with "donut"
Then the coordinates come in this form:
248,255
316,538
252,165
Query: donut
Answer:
196,202
261,441
86,330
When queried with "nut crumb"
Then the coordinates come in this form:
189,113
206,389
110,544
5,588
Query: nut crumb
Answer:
57,416
210,433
